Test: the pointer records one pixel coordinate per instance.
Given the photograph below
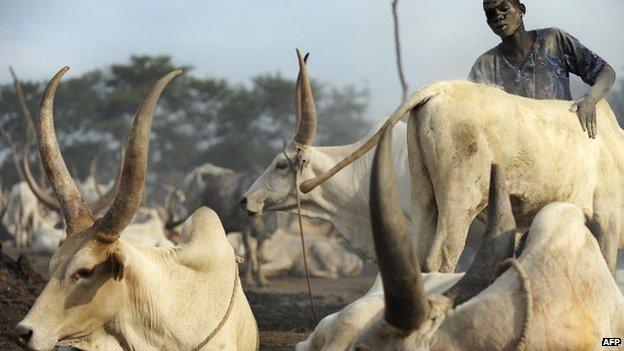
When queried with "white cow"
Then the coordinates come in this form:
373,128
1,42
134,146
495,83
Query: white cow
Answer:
46,240
342,199
273,191
23,213
106,293
5,234
49,235
281,252
149,231
558,295
456,130
92,191
30,224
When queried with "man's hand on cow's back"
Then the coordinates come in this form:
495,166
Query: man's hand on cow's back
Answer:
585,109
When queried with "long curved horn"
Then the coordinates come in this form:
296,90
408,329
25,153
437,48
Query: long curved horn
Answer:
128,199
406,303
298,94
13,148
167,214
27,119
76,213
304,107
497,244
414,101
24,112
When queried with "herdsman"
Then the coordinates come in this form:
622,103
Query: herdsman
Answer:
537,63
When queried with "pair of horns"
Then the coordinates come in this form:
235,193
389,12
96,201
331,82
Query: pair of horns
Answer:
125,204
407,306
305,109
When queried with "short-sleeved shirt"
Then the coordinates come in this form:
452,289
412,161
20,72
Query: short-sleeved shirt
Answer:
545,72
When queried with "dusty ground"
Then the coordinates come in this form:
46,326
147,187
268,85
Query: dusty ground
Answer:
282,310
19,286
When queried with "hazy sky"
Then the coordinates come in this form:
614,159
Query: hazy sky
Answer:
351,41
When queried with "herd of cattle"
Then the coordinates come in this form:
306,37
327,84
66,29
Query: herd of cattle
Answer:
542,276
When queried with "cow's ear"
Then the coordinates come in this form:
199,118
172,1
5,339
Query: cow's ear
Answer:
118,262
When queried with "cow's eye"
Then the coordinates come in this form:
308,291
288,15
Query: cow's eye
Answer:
82,273
281,164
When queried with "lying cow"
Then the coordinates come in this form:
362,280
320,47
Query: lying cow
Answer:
49,235
558,295
281,252
150,231
106,293
338,330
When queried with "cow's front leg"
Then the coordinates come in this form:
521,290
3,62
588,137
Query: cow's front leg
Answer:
251,258
259,272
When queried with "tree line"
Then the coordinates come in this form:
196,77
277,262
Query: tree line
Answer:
199,119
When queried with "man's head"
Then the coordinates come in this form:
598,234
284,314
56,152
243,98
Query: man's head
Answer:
504,16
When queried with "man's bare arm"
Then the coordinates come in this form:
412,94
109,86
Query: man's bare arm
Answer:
585,107
603,84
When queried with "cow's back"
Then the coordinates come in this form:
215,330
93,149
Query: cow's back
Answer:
540,145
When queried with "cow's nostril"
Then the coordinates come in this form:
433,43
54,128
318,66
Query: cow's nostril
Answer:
243,202
24,334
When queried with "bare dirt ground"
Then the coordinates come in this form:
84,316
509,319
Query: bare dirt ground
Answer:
19,287
282,310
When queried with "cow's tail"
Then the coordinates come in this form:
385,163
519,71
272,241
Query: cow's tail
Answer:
414,101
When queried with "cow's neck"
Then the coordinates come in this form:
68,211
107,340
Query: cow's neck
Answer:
342,199
170,305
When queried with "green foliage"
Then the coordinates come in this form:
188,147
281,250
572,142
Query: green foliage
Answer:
198,119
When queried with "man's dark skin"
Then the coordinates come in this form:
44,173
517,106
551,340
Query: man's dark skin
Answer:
505,18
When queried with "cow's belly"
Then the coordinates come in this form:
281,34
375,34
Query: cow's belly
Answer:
551,180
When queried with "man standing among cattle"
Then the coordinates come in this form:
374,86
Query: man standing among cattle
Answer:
537,63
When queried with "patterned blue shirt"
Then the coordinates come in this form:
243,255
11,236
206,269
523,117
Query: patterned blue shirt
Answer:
545,74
